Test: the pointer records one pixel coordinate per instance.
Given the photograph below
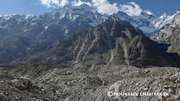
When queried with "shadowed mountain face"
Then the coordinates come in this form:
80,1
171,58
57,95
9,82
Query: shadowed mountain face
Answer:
16,36
112,42
172,43
174,39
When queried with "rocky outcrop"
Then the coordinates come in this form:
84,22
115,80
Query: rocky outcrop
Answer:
25,84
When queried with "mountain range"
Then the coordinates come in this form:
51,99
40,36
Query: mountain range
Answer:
75,53
152,26
79,34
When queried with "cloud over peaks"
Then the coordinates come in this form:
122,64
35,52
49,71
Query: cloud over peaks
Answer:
131,8
79,2
54,3
103,6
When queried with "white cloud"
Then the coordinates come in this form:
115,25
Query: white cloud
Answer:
103,6
54,3
79,2
64,2
131,8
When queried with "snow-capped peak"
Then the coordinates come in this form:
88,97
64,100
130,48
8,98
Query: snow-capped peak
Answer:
164,16
78,9
84,7
146,15
178,12
17,17
121,15
167,19
6,17
141,21
71,13
26,17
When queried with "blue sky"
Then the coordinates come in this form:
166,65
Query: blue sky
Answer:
132,7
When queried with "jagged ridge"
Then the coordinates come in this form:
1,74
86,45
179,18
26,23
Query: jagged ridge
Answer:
113,42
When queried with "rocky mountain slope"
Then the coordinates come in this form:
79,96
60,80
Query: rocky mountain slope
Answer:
171,44
112,42
164,30
17,34
175,41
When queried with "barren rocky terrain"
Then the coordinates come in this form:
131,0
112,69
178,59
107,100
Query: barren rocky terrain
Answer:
45,82
77,54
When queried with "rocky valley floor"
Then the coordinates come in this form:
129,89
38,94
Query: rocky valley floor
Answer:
44,82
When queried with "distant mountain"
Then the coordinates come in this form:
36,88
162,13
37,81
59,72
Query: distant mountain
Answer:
67,14
167,19
142,21
67,20
57,24
152,26
112,42
167,25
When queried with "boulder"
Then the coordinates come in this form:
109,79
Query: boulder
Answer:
21,83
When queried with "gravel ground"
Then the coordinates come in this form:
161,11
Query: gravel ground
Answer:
45,82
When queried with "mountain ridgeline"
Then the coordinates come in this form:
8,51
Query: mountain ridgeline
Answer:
80,35
21,34
112,42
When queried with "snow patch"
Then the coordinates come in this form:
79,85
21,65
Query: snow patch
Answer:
25,30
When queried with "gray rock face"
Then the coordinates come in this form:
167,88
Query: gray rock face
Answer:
175,41
169,41
167,31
